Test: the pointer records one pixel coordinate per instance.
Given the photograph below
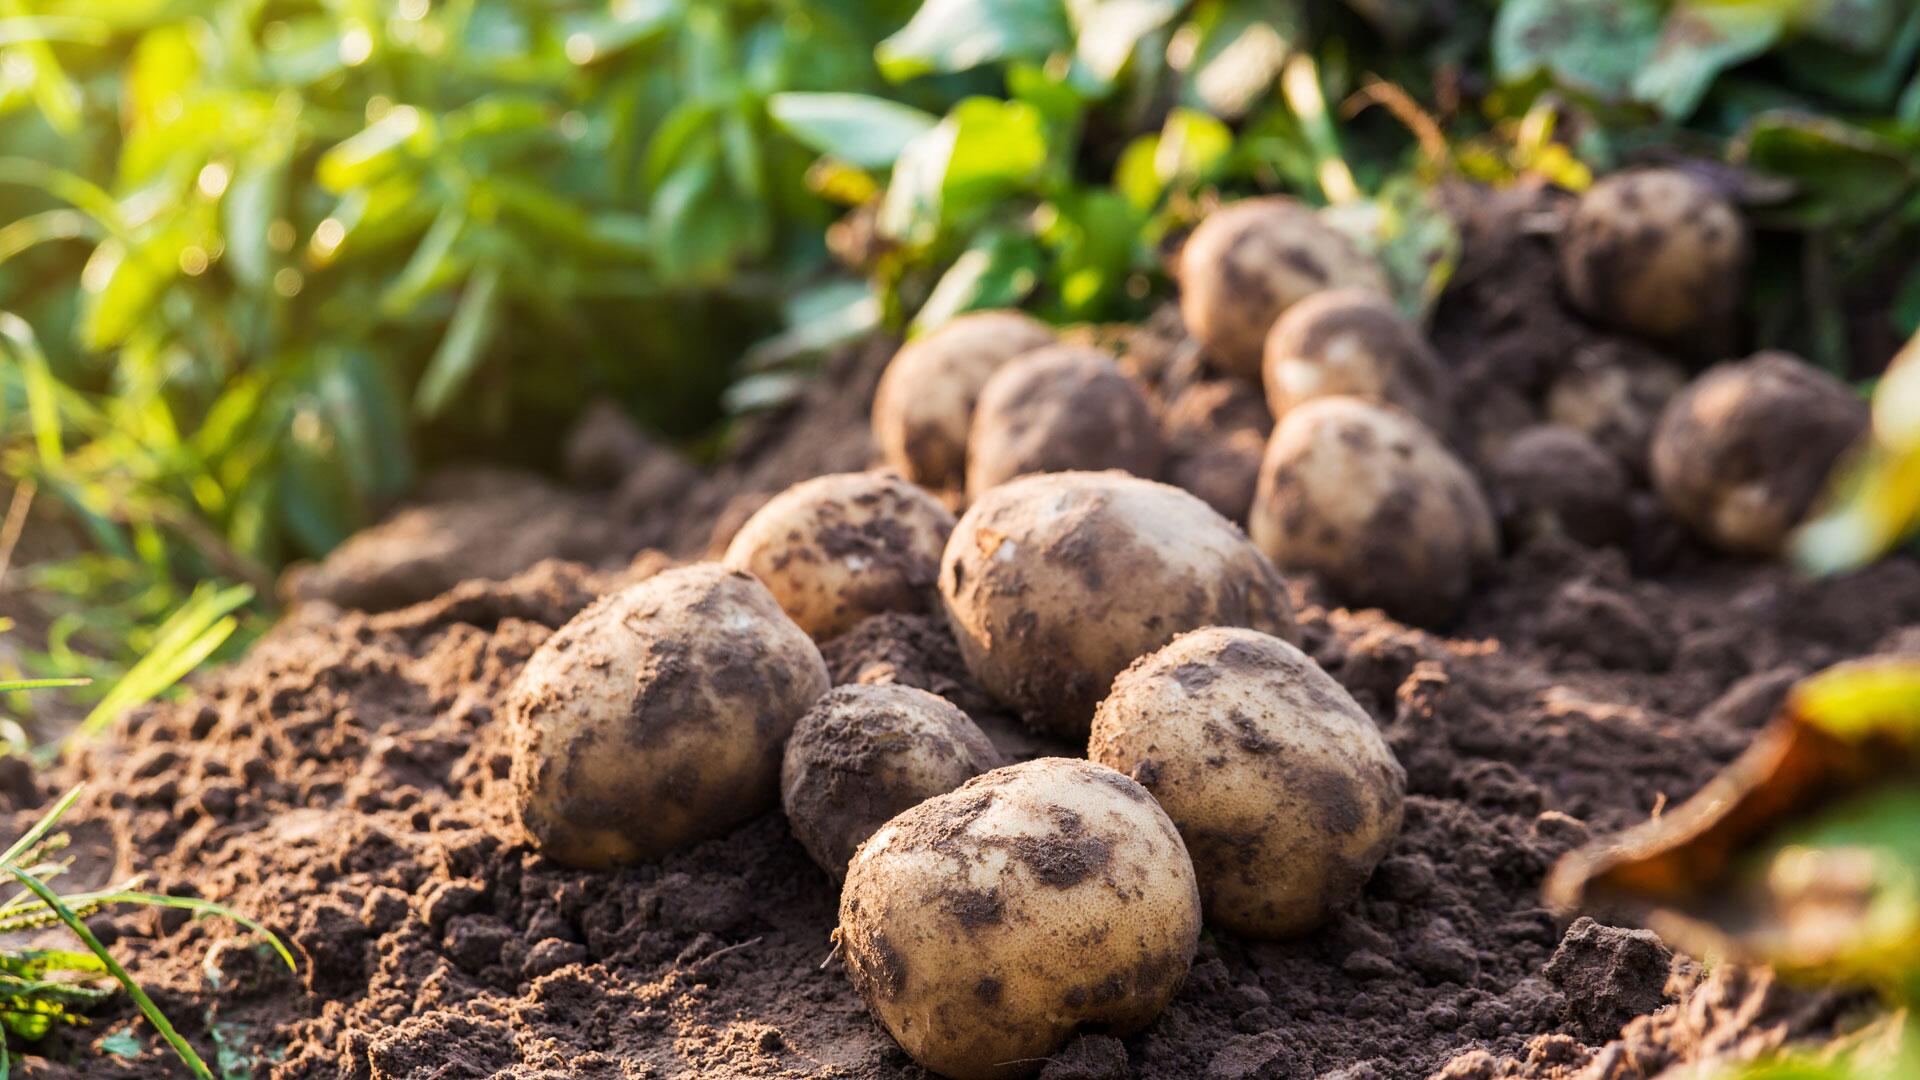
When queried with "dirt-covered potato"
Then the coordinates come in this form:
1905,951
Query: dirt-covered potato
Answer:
1353,342
1054,583
1655,252
1251,260
836,549
924,404
1059,408
655,718
1550,479
1742,453
1278,781
1615,397
864,753
984,926
1370,499
1216,431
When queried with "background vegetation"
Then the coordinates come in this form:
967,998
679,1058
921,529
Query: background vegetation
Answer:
261,260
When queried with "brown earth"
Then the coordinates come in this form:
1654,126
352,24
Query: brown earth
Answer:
347,783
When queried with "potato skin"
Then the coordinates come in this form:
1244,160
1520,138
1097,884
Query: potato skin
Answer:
1280,784
1655,252
654,719
983,926
1054,583
1615,397
923,406
835,549
1551,479
1251,260
1353,342
1741,454
1370,499
1059,408
864,753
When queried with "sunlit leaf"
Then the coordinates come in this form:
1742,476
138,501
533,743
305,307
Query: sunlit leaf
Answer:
859,129
1699,40
1598,47
997,270
467,337
958,35
1108,31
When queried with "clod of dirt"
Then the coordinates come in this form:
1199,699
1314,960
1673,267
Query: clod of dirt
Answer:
1608,975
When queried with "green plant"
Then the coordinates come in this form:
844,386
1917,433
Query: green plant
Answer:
41,988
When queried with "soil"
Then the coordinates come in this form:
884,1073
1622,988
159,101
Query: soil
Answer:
348,784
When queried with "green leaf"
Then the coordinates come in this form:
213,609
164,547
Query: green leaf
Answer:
817,319
999,269
122,1043
859,129
983,151
43,411
1841,174
1700,39
251,206
1193,148
460,350
959,35
376,151
121,284
1596,47
1242,46
1108,31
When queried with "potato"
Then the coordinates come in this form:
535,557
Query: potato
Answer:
1251,260
655,718
1741,454
1551,479
1614,397
1059,408
836,549
864,753
1371,500
1054,583
1655,252
1277,780
924,404
1353,342
985,925
1216,432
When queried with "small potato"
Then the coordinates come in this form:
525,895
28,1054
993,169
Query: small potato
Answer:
1742,453
1279,782
864,753
1353,342
1054,583
1370,499
923,406
836,549
1216,432
1251,260
1059,408
1551,479
655,718
1655,252
1614,397
984,926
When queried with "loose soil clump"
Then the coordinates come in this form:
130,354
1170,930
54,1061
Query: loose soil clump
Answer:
348,783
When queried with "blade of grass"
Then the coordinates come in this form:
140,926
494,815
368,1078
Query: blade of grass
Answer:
185,903
32,837
14,685
42,408
134,990
201,625
1300,85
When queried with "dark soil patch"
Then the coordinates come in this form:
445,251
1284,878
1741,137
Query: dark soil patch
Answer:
348,784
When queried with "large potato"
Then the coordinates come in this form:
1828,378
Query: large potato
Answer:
1741,454
864,753
1371,500
1054,583
1251,260
836,549
1353,342
1657,253
984,926
924,404
1056,409
1279,782
655,718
